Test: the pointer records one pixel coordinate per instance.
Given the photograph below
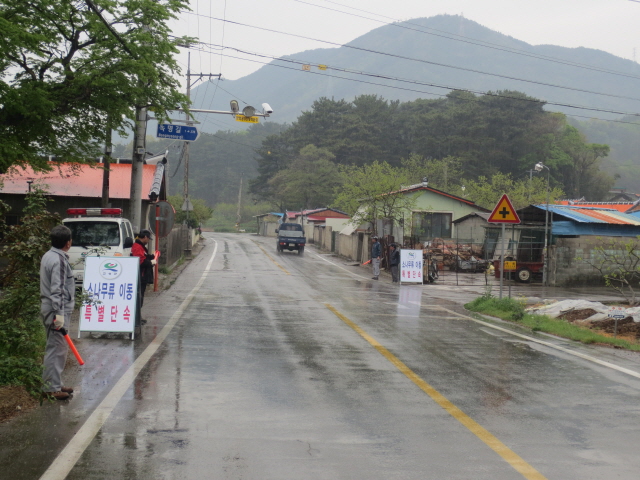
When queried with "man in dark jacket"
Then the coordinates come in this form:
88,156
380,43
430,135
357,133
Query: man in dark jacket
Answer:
147,262
394,261
376,253
57,292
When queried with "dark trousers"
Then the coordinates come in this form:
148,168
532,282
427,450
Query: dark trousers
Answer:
142,286
394,273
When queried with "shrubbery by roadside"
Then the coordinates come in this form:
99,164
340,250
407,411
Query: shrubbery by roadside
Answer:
513,310
22,337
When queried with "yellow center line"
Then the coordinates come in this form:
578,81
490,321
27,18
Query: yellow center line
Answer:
513,459
271,258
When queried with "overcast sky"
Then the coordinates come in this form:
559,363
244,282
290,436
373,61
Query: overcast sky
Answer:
609,25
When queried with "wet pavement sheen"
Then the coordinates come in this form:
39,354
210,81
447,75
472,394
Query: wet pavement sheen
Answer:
260,380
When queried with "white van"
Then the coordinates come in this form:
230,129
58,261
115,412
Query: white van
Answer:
97,231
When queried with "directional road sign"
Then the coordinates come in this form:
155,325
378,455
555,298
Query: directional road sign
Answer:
177,132
504,212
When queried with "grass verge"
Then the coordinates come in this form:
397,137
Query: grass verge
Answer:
513,310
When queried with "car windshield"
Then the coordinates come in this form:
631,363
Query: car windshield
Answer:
86,234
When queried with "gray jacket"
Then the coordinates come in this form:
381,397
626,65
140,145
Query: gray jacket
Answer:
57,285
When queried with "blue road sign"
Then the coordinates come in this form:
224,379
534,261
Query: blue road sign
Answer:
177,132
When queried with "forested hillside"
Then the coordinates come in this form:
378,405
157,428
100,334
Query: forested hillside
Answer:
478,136
434,55
623,137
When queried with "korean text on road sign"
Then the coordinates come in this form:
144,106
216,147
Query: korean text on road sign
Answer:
504,212
242,118
411,266
112,285
177,132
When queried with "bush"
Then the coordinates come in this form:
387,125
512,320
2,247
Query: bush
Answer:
22,337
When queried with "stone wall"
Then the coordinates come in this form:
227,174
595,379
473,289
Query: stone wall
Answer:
570,260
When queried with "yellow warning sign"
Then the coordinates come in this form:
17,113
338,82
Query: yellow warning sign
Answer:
242,118
509,266
504,212
322,67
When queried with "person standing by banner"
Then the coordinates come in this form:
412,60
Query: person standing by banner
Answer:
57,293
394,261
147,261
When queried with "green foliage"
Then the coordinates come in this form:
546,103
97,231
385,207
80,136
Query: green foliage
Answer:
367,193
623,161
487,192
512,309
200,214
225,217
66,73
308,182
22,336
446,140
444,174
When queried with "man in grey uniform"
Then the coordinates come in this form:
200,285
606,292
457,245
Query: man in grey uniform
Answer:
57,290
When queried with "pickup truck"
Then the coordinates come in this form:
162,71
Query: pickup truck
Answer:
290,237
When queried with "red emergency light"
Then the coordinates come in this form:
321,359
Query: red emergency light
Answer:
94,212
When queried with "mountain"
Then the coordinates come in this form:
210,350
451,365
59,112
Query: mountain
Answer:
290,90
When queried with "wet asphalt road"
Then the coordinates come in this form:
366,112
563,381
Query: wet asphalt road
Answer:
302,367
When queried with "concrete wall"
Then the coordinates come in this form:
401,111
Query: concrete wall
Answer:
570,258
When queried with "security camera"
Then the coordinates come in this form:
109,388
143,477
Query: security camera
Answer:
266,109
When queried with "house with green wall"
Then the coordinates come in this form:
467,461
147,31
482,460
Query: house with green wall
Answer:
431,216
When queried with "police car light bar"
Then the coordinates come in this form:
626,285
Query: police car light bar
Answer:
94,212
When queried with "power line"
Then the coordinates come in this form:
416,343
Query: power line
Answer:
447,87
402,57
359,72
464,39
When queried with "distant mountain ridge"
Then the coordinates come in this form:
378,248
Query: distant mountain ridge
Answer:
290,90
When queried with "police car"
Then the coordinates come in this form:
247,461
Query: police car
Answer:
97,231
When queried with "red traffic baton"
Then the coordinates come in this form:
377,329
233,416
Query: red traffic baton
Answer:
64,332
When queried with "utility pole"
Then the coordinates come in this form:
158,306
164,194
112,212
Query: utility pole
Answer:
186,205
238,216
137,162
106,164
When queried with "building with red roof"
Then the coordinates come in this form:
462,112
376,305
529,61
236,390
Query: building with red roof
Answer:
71,185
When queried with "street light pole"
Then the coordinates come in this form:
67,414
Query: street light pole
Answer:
545,273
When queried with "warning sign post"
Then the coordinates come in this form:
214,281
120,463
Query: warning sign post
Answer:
503,213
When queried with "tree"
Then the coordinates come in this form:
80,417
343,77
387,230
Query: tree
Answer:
70,65
618,261
580,166
200,213
309,182
487,192
371,192
444,174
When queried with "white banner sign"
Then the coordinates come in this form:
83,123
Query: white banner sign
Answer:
113,284
411,266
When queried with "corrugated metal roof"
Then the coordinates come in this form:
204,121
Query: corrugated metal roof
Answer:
76,180
592,214
619,206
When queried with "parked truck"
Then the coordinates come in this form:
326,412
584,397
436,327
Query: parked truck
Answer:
290,237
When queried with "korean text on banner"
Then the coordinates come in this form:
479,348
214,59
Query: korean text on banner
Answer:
112,283
411,266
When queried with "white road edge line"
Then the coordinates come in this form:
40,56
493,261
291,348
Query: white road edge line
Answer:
613,366
531,339
69,456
